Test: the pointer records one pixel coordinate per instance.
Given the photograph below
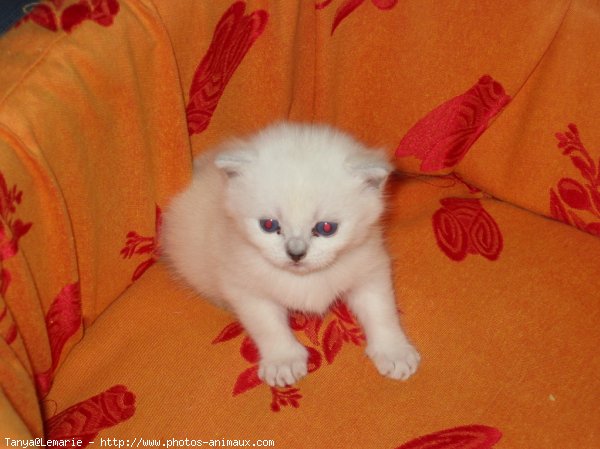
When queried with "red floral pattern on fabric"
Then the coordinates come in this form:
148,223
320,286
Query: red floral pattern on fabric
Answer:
136,244
464,437
11,335
249,379
462,226
44,16
571,195
341,328
283,397
63,320
8,329
53,17
86,419
233,36
5,278
308,324
443,137
349,6
11,231
229,332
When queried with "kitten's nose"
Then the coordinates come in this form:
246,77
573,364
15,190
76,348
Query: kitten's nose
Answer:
296,249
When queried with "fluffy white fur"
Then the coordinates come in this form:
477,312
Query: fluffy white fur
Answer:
299,175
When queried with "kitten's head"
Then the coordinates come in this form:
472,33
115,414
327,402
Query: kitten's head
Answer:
303,194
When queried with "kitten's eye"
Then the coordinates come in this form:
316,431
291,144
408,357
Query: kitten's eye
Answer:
325,228
269,225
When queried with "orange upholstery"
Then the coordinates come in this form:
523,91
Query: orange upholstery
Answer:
490,112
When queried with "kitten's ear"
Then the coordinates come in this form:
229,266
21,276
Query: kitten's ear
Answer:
373,169
234,159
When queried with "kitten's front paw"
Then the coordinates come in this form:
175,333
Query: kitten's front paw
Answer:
393,360
284,367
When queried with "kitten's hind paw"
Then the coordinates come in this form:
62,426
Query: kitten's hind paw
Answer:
395,362
284,370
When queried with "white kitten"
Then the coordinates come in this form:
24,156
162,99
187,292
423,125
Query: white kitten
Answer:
287,219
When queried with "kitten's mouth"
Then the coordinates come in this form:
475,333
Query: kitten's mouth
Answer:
300,267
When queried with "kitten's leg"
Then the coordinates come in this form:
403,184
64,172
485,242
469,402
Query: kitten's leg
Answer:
375,307
283,359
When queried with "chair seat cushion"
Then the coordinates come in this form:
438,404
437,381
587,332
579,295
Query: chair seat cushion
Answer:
521,366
